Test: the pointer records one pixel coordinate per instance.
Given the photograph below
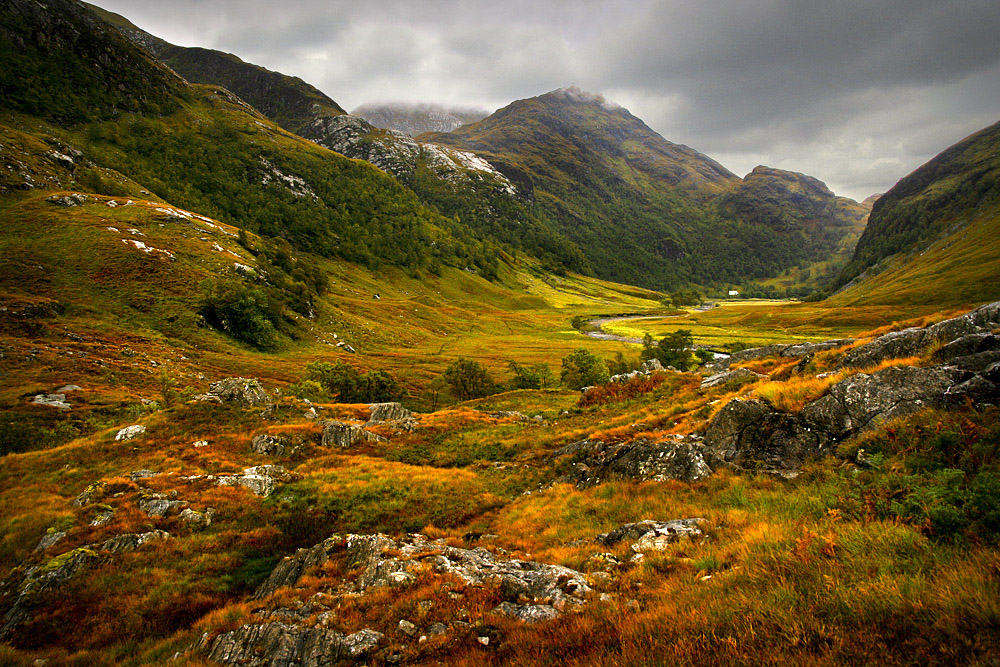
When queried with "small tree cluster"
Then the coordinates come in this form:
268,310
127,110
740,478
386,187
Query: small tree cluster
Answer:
468,379
538,376
347,384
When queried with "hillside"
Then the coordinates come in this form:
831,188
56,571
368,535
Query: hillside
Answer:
619,190
261,405
958,189
288,101
417,118
650,211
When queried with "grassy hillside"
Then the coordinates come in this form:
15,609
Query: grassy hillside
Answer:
958,187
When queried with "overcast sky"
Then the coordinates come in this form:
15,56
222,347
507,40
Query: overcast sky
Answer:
855,93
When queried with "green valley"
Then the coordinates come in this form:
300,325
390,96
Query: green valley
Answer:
264,402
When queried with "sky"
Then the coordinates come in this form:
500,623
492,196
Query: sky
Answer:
857,93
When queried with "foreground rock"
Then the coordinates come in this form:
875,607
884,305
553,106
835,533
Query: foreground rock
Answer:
594,462
60,569
301,634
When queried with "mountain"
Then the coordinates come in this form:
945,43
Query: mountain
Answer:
289,101
417,118
931,237
936,200
617,200
650,211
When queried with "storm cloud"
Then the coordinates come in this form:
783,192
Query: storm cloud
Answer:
855,93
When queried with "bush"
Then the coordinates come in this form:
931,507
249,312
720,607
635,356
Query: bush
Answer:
245,313
468,379
582,368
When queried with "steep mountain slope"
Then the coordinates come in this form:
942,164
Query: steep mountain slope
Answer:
648,210
289,101
415,118
955,189
801,210
206,150
456,183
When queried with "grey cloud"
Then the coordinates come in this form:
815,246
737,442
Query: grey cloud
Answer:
853,92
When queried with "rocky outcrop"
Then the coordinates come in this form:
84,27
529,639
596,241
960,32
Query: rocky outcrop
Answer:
52,401
132,541
979,324
344,435
795,351
300,634
275,644
595,462
60,569
291,568
650,535
130,432
388,412
241,391
270,445
384,559
751,434
261,480
725,377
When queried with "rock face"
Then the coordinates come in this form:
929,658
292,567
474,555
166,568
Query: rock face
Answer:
277,644
531,592
261,480
596,462
241,391
343,435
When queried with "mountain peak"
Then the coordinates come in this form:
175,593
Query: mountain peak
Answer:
576,94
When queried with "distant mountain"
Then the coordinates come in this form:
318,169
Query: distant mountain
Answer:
569,177
205,149
800,208
933,235
650,211
417,118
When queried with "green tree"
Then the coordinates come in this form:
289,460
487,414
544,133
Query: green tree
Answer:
468,379
674,349
245,313
530,377
581,368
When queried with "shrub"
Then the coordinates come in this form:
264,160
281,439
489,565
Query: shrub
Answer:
468,379
582,368
245,313
533,377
